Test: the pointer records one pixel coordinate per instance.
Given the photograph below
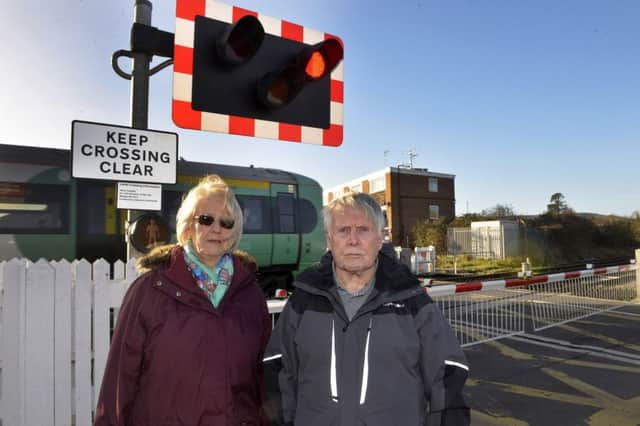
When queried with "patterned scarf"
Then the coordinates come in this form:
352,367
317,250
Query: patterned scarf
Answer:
213,281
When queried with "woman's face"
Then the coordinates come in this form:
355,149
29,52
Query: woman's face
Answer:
211,242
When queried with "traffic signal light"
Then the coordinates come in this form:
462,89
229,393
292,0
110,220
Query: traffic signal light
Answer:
311,64
240,78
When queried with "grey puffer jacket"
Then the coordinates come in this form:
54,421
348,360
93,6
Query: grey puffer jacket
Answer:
397,362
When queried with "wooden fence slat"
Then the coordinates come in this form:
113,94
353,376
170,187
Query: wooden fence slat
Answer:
63,343
13,403
39,347
132,272
118,291
101,322
2,264
83,291
118,270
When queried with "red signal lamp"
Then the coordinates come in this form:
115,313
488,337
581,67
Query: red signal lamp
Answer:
281,293
322,58
315,66
311,64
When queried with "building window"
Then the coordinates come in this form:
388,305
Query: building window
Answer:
433,184
434,212
376,185
356,188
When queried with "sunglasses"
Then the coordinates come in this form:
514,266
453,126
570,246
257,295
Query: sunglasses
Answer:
206,220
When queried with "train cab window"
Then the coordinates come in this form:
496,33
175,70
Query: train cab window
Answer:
256,216
27,208
286,213
308,216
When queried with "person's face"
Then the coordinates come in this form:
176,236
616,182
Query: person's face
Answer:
353,240
211,242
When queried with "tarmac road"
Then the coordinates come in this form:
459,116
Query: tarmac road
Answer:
585,372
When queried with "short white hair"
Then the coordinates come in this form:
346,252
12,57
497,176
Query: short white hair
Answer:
357,200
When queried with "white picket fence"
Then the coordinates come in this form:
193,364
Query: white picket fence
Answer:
56,320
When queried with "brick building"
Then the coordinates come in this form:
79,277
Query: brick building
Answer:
406,196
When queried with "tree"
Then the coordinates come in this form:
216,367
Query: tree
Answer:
499,210
635,225
430,233
557,204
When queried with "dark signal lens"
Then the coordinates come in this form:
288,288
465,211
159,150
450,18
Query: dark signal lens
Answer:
241,40
278,92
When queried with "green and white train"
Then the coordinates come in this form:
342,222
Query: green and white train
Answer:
45,213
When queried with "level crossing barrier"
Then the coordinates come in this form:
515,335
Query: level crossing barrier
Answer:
480,311
56,320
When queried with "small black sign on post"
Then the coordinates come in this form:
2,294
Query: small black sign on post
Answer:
148,231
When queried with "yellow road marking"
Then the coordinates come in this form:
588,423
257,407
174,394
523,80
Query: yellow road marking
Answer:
613,410
591,364
545,394
620,315
478,418
584,387
509,351
607,339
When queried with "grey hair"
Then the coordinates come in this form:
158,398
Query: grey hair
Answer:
208,185
357,200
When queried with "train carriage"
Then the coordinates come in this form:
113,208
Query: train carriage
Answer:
45,213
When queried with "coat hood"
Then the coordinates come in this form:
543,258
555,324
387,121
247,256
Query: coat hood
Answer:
170,260
161,256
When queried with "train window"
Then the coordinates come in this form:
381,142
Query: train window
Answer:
308,216
286,213
256,216
27,208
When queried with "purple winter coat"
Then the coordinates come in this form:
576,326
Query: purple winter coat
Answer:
176,360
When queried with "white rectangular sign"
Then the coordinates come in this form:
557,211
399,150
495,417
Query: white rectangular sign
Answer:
110,152
139,196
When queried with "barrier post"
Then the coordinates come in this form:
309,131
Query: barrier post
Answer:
637,299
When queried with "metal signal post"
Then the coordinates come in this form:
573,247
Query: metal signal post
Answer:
145,42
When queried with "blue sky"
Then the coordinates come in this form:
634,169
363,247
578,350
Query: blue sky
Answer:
518,99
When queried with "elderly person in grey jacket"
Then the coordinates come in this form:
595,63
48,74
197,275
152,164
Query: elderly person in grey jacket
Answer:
360,341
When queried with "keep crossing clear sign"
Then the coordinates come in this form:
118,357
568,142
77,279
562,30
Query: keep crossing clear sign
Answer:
118,153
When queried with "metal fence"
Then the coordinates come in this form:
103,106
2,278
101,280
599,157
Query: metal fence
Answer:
575,298
483,311
486,243
478,317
